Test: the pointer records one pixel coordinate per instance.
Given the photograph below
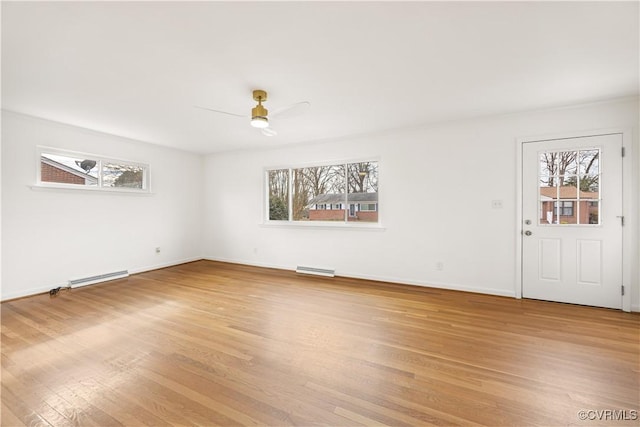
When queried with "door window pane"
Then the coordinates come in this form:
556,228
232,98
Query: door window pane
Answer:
548,194
567,163
548,213
590,162
569,187
566,211
589,212
565,208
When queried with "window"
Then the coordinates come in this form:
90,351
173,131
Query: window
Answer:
362,182
278,194
368,207
324,193
320,186
67,169
569,187
564,208
122,175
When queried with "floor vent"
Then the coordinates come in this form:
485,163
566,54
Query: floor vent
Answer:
76,283
316,271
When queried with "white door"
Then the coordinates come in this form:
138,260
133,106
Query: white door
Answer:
572,225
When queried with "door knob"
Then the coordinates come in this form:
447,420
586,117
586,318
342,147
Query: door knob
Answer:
528,233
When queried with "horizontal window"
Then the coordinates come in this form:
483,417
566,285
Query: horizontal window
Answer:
346,192
77,170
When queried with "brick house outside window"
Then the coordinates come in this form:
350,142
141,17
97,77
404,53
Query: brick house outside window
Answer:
53,171
331,207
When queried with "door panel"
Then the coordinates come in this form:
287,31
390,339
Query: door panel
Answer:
589,262
550,259
572,231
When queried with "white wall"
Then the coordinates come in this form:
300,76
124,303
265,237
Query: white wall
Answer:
50,236
437,184
436,188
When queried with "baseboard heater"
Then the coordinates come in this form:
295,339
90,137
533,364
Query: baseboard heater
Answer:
76,283
316,271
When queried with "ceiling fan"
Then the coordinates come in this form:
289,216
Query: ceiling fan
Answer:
260,116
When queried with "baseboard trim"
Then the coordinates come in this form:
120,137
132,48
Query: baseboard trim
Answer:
164,265
430,284
251,263
46,289
31,292
635,308
400,281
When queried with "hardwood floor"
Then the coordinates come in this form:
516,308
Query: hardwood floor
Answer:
209,343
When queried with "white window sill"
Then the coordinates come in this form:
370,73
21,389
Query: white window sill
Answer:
324,225
87,189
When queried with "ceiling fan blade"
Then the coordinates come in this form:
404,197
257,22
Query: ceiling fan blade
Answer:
291,110
269,132
222,112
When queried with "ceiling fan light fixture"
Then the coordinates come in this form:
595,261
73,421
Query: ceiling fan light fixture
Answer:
259,113
259,122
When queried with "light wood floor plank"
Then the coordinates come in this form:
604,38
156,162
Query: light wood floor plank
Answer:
8,418
209,343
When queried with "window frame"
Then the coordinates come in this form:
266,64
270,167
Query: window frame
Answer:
319,223
99,187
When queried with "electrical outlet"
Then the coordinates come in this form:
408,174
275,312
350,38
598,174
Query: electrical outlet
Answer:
158,249
496,204
439,265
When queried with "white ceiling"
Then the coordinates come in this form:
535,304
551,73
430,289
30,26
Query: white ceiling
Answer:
137,69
